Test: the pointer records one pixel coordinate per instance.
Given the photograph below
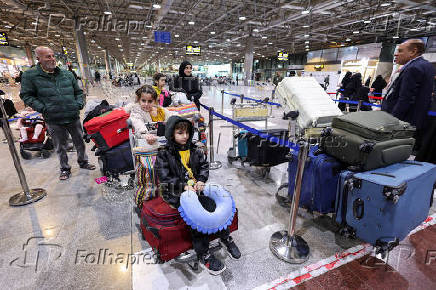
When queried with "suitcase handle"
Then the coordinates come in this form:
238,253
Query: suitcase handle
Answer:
358,208
410,162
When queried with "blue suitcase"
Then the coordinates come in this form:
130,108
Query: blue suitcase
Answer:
382,206
243,144
117,160
320,180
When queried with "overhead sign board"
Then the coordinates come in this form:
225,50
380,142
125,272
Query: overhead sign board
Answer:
162,36
193,50
4,39
282,55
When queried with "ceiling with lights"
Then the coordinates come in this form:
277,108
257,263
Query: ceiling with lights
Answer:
220,27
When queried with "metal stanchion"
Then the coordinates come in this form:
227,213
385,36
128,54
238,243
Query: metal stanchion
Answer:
242,98
222,102
359,105
27,195
212,164
286,245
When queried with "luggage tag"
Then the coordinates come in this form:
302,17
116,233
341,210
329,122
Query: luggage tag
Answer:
101,180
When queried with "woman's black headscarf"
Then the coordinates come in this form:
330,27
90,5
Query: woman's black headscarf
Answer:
182,68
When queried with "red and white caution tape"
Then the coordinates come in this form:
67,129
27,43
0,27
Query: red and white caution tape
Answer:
314,270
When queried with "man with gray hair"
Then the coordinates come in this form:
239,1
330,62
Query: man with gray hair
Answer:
409,97
54,93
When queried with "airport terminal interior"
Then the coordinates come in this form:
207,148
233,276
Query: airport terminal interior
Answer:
136,135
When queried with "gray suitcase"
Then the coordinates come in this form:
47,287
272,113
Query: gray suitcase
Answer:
368,140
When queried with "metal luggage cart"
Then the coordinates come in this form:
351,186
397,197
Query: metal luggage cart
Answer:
249,112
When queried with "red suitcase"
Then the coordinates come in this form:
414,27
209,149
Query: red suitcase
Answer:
109,130
165,231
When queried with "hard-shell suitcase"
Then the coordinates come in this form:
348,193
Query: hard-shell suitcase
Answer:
305,95
116,160
165,231
263,152
368,140
382,206
242,144
320,181
108,130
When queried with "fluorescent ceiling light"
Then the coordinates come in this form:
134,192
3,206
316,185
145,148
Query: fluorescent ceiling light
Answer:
148,26
270,43
156,6
306,35
196,41
242,18
307,46
385,4
264,37
228,40
8,26
117,38
107,13
367,21
176,35
256,30
306,26
414,29
356,32
133,6
212,32
58,35
395,37
306,42
307,49
348,39
304,12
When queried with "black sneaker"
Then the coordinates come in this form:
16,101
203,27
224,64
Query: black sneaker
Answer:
213,265
87,166
232,249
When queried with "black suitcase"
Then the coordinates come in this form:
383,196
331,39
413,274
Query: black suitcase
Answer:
117,160
265,152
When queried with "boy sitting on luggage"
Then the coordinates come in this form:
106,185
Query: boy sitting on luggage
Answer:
181,167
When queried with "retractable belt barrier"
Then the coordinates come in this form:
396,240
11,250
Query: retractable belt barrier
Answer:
271,138
256,100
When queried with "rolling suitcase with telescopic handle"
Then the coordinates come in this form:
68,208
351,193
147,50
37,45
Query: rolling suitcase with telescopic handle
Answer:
382,206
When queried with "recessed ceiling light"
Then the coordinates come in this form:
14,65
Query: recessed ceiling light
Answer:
228,40
107,13
8,26
367,21
242,18
264,37
356,32
348,39
212,32
58,35
307,49
304,12
196,41
395,36
414,29
306,26
156,6
270,43
306,35
144,37
256,30
307,46
176,35
306,42
385,4
191,22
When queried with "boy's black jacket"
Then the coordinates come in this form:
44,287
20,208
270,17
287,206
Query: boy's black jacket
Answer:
172,175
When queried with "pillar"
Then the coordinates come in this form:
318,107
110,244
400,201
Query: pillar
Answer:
107,61
29,54
82,53
248,60
385,64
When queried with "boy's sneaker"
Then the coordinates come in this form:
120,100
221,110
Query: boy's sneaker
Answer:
213,265
232,249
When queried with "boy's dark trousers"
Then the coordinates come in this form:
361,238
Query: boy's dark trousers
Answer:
200,241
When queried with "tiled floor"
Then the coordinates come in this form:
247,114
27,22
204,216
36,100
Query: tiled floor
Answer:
79,220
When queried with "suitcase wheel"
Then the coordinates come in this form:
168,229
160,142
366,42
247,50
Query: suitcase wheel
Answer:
45,154
26,155
347,232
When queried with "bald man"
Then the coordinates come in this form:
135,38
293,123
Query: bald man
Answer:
54,92
409,97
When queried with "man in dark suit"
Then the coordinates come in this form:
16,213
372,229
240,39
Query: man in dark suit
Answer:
409,97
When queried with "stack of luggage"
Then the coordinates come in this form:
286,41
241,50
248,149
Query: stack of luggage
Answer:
361,173
107,128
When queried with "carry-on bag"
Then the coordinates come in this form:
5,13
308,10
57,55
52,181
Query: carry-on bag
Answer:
108,130
320,181
165,231
368,140
117,160
305,95
242,144
382,206
263,151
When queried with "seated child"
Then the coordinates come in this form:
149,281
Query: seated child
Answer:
24,123
180,167
146,110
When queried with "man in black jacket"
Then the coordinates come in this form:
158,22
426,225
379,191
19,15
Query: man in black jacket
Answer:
409,97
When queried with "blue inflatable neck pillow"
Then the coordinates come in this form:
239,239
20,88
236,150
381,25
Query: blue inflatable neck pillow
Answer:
198,218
